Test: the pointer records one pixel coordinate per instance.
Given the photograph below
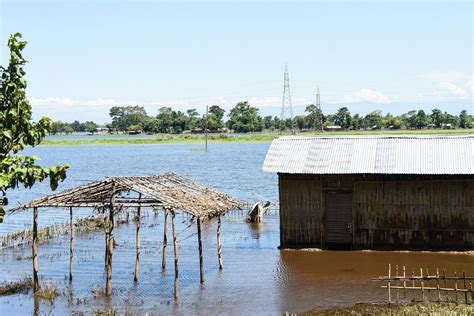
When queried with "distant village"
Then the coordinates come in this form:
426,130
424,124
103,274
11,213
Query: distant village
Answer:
245,118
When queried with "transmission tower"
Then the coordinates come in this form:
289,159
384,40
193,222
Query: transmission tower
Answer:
286,106
318,106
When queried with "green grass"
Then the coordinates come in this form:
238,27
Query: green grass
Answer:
22,285
221,138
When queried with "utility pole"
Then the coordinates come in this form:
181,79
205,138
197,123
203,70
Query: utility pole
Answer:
207,115
320,113
286,106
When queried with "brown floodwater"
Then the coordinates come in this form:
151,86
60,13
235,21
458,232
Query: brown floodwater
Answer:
257,278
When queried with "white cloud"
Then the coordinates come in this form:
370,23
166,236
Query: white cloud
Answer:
457,85
368,95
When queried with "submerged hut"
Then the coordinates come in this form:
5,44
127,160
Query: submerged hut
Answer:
375,192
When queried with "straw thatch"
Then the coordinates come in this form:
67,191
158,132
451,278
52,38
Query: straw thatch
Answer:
167,190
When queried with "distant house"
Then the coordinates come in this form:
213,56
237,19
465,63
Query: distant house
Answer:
400,192
332,128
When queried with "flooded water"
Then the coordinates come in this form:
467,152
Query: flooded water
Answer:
257,278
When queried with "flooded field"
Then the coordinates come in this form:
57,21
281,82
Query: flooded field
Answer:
257,277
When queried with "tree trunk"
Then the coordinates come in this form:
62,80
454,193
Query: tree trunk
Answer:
35,250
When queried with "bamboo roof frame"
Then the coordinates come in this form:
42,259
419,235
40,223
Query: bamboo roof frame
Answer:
167,190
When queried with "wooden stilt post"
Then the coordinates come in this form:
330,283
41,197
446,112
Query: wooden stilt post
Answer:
137,259
201,263
165,239
110,244
35,250
175,248
219,250
71,244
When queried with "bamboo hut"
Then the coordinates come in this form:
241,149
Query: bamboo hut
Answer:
170,192
375,192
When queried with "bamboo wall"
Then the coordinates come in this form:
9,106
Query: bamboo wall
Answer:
389,212
300,211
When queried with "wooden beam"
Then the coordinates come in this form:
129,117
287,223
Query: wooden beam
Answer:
137,239
35,250
165,239
110,244
219,251
175,248
201,264
71,244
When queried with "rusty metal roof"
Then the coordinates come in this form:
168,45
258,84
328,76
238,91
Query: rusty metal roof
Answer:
436,155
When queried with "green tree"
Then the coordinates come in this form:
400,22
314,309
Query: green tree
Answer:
91,127
244,118
453,120
216,118
18,131
300,122
373,120
165,119
315,117
193,119
151,125
409,119
68,129
78,127
179,121
437,117
125,116
421,119
57,127
357,122
464,121
343,118
268,122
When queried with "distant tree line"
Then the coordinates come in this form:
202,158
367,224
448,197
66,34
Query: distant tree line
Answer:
244,118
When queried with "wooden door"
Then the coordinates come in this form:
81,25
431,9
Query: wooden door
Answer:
338,220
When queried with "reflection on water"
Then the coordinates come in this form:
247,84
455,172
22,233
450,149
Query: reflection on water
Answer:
257,277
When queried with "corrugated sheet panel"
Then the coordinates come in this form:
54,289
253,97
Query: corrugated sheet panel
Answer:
372,155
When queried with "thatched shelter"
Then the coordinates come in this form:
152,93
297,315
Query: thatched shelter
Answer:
167,191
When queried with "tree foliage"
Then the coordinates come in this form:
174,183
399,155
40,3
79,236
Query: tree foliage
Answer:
18,131
244,118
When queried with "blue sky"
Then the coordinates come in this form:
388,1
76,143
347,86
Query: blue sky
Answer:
86,56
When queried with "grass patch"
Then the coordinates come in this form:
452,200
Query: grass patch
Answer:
20,286
402,309
47,292
230,138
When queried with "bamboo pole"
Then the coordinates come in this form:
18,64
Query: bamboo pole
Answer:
445,284
456,285
110,244
201,263
465,286
437,284
422,288
165,240
35,250
396,273
404,284
219,248
175,248
389,276
137,239
71,244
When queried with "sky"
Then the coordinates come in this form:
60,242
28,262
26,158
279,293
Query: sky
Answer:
86,56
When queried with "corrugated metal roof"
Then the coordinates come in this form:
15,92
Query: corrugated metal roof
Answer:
372,155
